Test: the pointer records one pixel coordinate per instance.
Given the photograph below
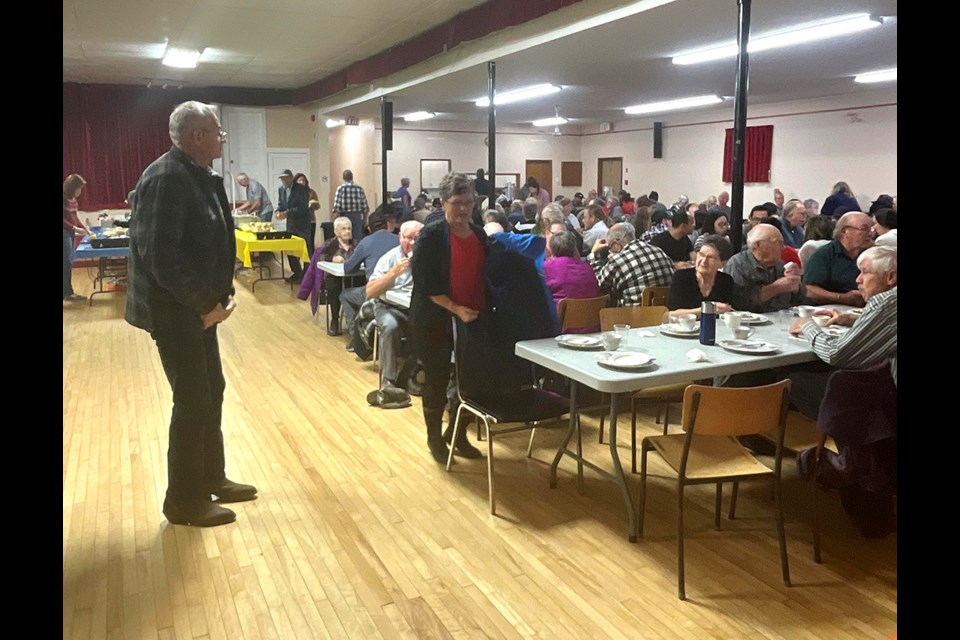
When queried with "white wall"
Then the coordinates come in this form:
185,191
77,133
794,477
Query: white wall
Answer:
815,144
463,145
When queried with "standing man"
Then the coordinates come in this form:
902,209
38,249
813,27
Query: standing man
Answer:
406,200
180,287
722,204
351,201
296,211
284,192
482,186
258,202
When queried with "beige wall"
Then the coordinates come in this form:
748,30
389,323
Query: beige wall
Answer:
355,148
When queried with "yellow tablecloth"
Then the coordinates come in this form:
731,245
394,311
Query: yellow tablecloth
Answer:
247,244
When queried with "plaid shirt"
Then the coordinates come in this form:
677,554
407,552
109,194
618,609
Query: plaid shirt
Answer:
350,198
656,229
627,273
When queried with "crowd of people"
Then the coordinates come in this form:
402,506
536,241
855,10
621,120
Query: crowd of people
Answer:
445,253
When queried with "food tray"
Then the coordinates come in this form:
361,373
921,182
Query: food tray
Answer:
110,243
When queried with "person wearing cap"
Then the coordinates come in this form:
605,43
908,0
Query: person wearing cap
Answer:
296,211
284,192
351,201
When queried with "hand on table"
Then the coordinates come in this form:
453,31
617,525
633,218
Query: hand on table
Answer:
723,307
280,215
797,327
836,317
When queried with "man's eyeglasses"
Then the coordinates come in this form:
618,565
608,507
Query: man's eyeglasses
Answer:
863,227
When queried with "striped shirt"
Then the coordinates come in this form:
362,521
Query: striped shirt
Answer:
350,198
627,273
871,340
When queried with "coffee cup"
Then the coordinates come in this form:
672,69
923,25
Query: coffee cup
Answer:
821,320
733,319
805,310
611,341
742,333
686,321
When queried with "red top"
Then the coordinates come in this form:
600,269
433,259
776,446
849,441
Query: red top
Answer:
789,254
70,219
466,271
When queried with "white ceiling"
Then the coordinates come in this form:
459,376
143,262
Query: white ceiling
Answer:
291,43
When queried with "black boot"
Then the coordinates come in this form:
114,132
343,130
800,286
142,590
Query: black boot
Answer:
438,447
462,448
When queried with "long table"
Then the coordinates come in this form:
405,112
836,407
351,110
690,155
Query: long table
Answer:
672,366
248,244
111,263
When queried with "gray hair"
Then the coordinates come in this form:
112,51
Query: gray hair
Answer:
564,245
340,222
844,221
411,225
622,232
790,206
552,212
455,184
882,259
186,116
756,233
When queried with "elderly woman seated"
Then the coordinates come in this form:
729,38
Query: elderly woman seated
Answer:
568,276
705,282
336,249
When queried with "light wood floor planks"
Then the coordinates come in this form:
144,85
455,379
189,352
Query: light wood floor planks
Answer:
359,534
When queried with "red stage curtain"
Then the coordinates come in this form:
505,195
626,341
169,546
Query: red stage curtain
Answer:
759,148
110,134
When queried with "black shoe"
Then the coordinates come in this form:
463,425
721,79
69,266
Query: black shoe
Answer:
439,451
463,448
200,514
333,332
414,388
230,491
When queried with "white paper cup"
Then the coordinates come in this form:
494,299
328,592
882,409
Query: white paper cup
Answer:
733,320
742,333
611,341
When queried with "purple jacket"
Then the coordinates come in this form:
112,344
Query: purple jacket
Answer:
570,278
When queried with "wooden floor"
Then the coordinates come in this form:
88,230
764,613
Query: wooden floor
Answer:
357,533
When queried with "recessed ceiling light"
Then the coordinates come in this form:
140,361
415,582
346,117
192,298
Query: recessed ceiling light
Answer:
419,115
524,93
789,38
332,122
673,105
181,58
885,75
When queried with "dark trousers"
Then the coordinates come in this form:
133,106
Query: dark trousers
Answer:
68,244
302,231
333,285
434,347
191,361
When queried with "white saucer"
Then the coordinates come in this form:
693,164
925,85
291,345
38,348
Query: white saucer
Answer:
752,347
574,341
625,359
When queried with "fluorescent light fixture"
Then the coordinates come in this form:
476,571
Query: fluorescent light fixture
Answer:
419,115
673,105
804,34
549,122
524,93
877,76
332,122
181,58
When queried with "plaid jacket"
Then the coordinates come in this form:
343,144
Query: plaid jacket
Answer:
627,273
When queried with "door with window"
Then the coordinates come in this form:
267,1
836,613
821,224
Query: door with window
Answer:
609,176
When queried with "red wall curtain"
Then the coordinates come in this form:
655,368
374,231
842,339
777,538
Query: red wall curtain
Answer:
110,134
759,149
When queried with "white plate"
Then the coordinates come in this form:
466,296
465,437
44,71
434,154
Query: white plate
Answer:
748,346
675,331
753,318
625,360
579,342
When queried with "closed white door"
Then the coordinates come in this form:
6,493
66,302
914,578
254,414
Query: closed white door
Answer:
297,160
246,147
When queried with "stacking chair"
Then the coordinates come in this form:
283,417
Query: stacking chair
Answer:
664,395
708,453
580,313
496,386
654,296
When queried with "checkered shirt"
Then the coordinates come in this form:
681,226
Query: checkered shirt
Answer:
635,267
350,198
656,229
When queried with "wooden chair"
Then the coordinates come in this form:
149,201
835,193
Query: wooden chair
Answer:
654,296
580,313
508,398
708,453
664,395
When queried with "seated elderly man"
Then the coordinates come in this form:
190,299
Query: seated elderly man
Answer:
675,241
392,272
872,337
594,227
830,274
794,217
761,283
626,266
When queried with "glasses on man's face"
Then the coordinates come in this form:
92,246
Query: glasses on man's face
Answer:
463,203
864,227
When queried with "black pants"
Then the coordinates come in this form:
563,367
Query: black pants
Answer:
333,285
191,361
434,346
302,231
